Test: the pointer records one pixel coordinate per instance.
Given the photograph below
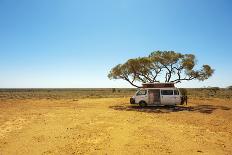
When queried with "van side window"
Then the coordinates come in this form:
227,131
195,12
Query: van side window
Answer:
176,92
142,92
167,92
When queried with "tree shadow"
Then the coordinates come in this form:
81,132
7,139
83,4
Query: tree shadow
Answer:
207,109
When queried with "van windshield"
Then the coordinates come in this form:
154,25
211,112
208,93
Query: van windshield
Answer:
141,92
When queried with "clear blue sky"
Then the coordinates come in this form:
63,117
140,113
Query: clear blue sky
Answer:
74,43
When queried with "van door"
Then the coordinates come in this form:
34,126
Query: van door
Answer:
154,96
167,97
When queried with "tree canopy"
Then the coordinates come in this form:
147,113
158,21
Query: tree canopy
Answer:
161,66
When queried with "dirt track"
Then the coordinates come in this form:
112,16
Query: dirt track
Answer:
112,126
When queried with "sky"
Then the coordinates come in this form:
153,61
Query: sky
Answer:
75,43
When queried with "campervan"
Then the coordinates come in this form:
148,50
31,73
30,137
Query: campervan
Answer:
158,94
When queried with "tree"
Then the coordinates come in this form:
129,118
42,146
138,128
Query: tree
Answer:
161,66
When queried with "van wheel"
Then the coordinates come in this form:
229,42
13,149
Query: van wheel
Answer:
142,104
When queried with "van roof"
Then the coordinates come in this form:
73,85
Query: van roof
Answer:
160,88
158,85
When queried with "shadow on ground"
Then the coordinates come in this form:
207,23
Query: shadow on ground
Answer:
207,109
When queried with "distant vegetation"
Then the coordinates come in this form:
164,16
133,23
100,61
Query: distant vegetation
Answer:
64,93
230,87
55,94
213,92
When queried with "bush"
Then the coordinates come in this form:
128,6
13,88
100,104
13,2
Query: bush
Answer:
213,90
113,90
183,91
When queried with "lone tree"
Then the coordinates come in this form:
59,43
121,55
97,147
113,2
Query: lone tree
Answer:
161,66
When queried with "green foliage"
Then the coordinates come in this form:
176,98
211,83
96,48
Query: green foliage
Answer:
161,66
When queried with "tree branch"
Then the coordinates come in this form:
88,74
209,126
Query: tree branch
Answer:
183,79
128,80
156,74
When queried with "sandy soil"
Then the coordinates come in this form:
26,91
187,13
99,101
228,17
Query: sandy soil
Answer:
112,126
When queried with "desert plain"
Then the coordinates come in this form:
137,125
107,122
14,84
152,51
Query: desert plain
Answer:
103,122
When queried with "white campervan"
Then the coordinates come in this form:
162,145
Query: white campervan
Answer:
157,94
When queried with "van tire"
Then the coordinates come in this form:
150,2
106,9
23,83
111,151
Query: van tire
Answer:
142,104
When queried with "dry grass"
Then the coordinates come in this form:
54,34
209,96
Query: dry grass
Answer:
63,93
